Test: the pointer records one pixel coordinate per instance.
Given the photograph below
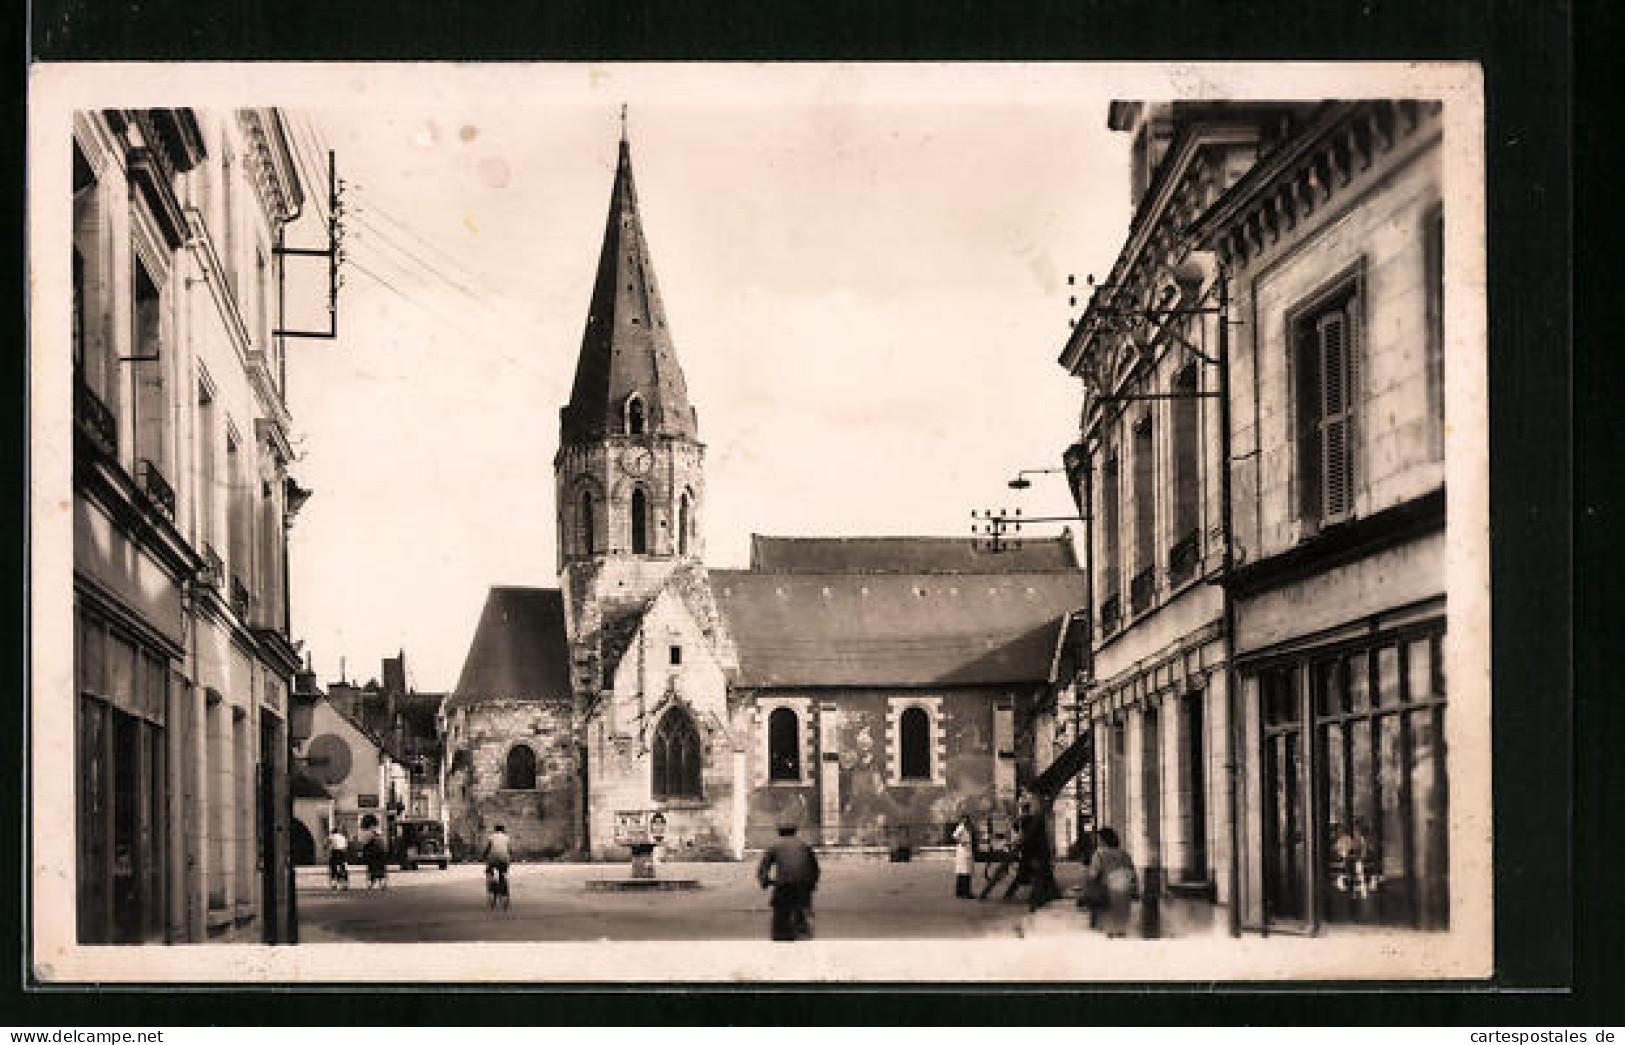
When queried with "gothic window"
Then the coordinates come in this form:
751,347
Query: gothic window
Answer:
587,522
683,523
1326,341
914,738
634,416
640,522
676,757
783,745
519,774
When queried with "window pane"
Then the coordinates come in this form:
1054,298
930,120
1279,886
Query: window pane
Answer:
1419,669
1330,695
916,741
1387,694
1359,682
1430,819
784,745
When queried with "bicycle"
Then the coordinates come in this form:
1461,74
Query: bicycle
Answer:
496,887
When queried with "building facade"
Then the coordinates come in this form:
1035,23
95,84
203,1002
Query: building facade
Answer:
1261,462
182,499
1334,242
870,689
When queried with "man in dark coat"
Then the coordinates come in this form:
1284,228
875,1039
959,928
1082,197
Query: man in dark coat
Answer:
791,868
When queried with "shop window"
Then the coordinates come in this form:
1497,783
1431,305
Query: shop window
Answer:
1326,340
784,745
1381,788
914,742
640,522
519,772
676,757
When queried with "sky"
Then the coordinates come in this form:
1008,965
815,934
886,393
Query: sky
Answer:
866,284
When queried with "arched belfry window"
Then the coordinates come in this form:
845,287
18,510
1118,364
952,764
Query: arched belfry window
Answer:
587,523
915,742
640,522
676,757
685,522
783,745
519,774
635,422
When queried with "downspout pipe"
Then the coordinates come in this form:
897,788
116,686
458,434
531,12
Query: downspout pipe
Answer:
1227,601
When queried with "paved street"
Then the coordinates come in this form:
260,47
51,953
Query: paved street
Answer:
858,898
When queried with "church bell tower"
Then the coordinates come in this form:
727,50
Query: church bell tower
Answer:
630,467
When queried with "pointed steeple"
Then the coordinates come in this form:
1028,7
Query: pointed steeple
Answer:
627,364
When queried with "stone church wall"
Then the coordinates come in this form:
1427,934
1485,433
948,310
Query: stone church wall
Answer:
858,797
541,821
647,685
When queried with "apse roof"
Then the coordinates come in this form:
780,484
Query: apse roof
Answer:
519,648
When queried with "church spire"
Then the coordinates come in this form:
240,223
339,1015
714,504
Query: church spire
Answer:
627,377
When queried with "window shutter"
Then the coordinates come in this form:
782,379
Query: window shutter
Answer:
1336,478
1308,419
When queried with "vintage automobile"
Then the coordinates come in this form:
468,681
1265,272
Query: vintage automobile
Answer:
420,842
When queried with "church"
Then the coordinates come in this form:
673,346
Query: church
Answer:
872,689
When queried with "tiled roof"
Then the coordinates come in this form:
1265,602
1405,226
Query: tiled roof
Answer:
908,555
895,629
519,648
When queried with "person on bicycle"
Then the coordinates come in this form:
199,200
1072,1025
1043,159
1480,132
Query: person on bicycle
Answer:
796,867
498,852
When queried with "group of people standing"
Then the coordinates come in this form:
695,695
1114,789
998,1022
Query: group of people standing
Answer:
1110,886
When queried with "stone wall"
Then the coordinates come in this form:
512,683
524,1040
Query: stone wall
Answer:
542,821
856,797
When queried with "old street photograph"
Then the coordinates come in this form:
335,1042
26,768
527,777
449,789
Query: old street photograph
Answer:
1032,528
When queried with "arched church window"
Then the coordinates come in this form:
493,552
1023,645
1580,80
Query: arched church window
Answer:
683,524
915,727
587,523
634,416
520,772
783,745
640,522
676,757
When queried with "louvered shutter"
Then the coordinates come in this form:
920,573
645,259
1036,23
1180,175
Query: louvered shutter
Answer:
1337,486
1308,422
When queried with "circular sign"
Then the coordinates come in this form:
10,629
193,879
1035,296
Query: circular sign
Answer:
657,826
328,758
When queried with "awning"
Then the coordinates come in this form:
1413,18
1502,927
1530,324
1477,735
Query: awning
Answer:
1066,766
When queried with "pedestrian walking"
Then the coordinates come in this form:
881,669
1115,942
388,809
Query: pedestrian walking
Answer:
964,857
374,852
791,867
1112,883
1039,855
338,855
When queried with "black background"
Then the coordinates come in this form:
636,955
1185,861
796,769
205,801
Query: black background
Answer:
1557,956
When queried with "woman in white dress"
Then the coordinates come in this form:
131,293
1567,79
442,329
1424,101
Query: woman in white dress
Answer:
964,857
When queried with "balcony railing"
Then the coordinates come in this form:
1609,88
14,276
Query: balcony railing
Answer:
240,599
1111,615
213,574
1182,558
156,487
94,420
1141,589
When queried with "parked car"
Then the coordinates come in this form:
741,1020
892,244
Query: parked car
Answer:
420,842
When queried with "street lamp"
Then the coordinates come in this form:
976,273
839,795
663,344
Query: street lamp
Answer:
1021,482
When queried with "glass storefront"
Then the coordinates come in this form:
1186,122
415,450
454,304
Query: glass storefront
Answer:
1355,810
